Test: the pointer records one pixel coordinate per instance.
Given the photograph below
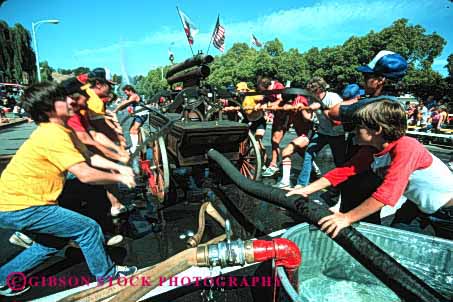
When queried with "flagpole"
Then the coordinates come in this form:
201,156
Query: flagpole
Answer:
213,32
182,23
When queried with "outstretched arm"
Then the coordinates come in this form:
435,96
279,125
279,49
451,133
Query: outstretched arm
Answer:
87,174
320,184
125,103
334,223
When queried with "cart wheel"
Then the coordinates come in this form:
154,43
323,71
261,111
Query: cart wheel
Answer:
250,162
159,176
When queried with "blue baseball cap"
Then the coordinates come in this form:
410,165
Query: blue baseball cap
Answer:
351,91
387,63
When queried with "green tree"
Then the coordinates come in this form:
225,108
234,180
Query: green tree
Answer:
17,59
24,57
336,64
46,71
274,48
80,70
152,83
449,65
6,61
237,64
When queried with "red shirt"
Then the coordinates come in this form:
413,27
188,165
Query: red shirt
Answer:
274,97
300,99
79,123
395,164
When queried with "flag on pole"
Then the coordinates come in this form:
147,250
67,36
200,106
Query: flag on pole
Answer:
190,29
256,42
218,37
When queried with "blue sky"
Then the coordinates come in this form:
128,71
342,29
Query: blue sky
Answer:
137,33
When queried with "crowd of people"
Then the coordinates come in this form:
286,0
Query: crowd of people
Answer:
9,103
428,115
79,140
376,163
76,140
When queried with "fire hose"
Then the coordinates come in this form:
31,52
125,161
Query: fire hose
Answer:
206,207
226,253
399,279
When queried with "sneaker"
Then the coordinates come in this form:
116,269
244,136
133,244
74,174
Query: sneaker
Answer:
282,185
270,171
115,240
20,239
123,271
8,292
117,211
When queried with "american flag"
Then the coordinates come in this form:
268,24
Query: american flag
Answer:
255,41
218,37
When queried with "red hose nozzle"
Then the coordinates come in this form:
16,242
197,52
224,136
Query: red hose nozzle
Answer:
285,252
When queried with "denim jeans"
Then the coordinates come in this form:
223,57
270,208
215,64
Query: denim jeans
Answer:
317,142
57,221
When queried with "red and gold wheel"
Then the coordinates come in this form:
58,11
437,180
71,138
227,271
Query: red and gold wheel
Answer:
250,162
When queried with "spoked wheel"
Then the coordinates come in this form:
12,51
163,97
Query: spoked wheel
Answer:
154,165
250,161
159,179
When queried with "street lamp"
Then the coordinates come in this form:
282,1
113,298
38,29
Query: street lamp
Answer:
34,28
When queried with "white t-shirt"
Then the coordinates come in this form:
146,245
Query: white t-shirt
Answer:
425,115
325,124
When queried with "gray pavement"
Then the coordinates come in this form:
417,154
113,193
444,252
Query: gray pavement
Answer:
12,138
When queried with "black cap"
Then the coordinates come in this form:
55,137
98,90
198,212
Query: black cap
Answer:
71,86
100,74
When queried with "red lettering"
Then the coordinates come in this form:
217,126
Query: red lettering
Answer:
266,281
220,281
146,281
162,280
33,281
244,282
118,281
197,281
255,280
185,281
173,281
73,281
211,282
52,281
85,280
131,280
233,281
100,281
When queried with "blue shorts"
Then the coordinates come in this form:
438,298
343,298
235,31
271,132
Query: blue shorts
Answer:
141,119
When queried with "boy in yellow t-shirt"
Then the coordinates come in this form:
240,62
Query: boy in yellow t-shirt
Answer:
255,119
31,183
